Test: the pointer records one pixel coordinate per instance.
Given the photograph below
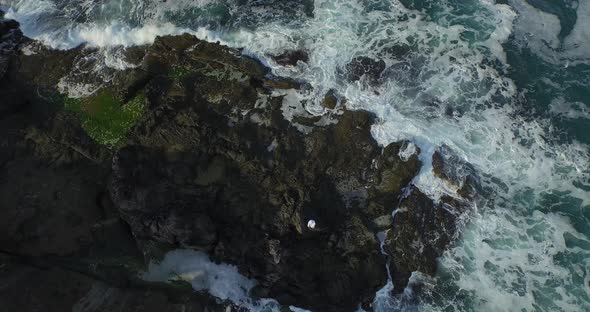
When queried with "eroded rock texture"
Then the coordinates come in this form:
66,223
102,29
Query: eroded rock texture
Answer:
197,172
206,160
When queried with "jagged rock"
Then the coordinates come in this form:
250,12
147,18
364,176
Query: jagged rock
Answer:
257,200
306,120
127,83
281,83
7,25
212,164
363,66
54,64
134,55
201,161
421,232
330,100
53,189
394,171
291,58
322,176
453,169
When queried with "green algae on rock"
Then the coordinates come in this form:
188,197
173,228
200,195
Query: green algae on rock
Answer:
105,119
177,73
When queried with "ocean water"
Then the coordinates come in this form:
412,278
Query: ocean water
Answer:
506,84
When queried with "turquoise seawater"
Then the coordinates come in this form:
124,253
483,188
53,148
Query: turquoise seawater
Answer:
505,83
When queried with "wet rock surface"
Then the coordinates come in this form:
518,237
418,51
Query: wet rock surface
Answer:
209,163
422,230
291,58
331,100
457,172
196,174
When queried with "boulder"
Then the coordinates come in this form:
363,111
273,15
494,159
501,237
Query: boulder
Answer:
422,230
291,57
393,172
330,100
281,83
448,166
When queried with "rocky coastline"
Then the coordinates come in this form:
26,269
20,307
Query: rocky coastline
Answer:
189,147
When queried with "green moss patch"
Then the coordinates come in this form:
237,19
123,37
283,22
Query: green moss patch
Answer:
177,73
105,119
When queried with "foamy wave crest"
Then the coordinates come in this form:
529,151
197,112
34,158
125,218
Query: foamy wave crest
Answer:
540,32
112,35
117,34
64,25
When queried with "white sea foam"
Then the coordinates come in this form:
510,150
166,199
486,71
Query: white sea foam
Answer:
539,31
577,43
220,280
407,151
29,13
75,89
44,21
561,107
116,34
511,262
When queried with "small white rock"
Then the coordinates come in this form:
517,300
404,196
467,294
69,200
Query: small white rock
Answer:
311,224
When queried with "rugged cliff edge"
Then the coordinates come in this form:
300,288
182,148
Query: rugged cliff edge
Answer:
190,148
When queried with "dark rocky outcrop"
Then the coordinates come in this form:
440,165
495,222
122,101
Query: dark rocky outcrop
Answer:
393,175
457,172
422,229
47,285
421,232
206,160
331,100
58,226
291,58
196,173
